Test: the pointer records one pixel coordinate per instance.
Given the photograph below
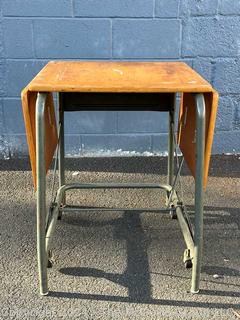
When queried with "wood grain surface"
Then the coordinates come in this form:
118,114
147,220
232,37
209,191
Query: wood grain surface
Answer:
118,77
122,77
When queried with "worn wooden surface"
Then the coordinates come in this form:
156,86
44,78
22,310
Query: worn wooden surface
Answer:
120,77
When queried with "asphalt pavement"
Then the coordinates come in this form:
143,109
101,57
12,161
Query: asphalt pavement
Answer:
120,265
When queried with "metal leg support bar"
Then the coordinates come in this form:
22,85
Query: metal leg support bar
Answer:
62,190
183,223
61,150
41,193
171,143
200,150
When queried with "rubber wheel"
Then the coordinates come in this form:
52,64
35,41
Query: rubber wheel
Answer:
188,264
49,264
59,215
173,214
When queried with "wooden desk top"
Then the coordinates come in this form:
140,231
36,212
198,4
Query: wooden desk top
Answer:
85,76
79,76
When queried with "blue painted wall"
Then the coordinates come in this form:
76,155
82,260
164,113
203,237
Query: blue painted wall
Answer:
205,34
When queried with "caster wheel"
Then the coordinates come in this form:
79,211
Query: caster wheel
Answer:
49,264
173,214
188,264
60,213
50,261
187,259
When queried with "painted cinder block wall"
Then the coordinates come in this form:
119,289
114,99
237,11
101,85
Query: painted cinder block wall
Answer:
203,33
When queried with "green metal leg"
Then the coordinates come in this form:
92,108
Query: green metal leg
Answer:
44,235
171,143
61,153
198,234
41,193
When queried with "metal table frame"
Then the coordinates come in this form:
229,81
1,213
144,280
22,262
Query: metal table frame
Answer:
47,219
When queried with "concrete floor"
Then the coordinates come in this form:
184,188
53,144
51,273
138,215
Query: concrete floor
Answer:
111,265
